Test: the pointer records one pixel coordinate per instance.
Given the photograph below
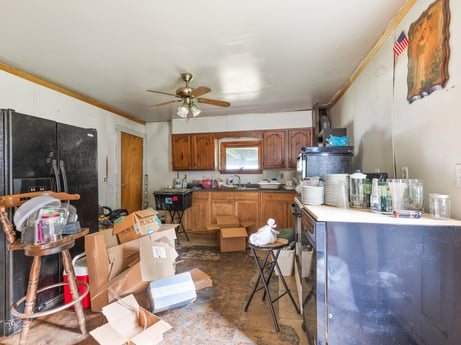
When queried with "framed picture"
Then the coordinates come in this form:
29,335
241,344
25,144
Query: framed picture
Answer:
428,51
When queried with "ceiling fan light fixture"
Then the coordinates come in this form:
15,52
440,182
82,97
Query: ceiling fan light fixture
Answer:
195,110
183,110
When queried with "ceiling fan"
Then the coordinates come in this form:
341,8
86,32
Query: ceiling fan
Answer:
189,96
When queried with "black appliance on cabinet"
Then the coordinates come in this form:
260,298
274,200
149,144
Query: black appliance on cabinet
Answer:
38,154
319,161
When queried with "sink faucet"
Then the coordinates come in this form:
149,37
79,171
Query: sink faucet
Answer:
239,180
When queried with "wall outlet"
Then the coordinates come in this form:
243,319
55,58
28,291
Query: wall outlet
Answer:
405,172
458,174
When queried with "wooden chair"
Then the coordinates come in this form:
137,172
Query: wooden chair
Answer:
38,251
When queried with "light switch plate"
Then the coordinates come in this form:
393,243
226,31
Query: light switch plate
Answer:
458,174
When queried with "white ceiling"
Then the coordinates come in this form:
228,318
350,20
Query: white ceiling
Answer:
262,56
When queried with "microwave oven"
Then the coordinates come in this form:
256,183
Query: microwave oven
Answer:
319,161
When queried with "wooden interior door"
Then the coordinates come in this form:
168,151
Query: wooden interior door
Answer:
131,172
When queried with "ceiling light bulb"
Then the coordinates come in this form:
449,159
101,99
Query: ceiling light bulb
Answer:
182,111
195,110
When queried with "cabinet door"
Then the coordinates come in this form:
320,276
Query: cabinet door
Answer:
202,151
247,207
297,138
277,206
274,150
181,151
196,218
221,204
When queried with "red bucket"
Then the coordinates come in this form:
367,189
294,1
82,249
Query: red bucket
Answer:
81,274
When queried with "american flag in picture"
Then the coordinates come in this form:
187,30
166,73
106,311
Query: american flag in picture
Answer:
400,44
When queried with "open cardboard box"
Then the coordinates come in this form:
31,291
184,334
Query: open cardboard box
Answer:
233,233
116,269
137,224
128,323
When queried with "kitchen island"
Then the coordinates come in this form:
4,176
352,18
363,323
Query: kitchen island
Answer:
383,280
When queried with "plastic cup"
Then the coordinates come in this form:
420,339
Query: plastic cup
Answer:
439,206
397,189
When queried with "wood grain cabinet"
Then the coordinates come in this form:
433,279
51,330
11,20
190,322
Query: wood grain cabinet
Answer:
247,207
221,204
274,149
297,138
196,218
277,206
254,206
193,151
281,147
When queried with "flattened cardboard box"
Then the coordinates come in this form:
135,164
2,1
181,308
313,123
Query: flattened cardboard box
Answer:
112,268
201,279
128,323
137,224
157,258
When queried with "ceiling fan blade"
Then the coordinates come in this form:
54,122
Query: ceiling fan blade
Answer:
213,102
164,93
201,90
163,103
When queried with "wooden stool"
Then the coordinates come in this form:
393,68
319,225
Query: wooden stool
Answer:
261,265
38,251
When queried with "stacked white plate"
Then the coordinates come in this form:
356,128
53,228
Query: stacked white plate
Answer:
332,183
312,195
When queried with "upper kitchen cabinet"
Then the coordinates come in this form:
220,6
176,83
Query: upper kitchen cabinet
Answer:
274,149
298,138
281,147
193,151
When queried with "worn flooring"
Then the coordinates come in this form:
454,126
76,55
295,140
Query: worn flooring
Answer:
217,317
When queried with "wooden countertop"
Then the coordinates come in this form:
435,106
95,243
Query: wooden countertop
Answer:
324,213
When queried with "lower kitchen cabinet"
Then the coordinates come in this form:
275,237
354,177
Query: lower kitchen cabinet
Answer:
277,206
221,204
255,206
196,218
247,207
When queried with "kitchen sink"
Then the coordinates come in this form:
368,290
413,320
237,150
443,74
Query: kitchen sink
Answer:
248,188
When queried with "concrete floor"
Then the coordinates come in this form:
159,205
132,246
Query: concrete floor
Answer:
216,317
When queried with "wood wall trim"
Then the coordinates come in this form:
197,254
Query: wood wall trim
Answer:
67,92
403,12
239,134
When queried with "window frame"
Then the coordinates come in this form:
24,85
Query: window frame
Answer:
236,144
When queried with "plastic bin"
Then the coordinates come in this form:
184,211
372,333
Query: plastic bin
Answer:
81,274
286,262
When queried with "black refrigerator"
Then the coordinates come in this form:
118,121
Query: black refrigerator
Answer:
39,154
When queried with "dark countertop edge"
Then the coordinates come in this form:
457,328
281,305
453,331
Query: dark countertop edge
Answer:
218,190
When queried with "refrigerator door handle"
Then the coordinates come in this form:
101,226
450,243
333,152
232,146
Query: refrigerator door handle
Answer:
56,175
63,174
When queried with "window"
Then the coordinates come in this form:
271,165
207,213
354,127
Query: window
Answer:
240,157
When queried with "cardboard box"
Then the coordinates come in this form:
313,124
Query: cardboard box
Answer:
229,222
115,269
128,323
285,261
172,292
201,279
137,224
157,259
232,239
